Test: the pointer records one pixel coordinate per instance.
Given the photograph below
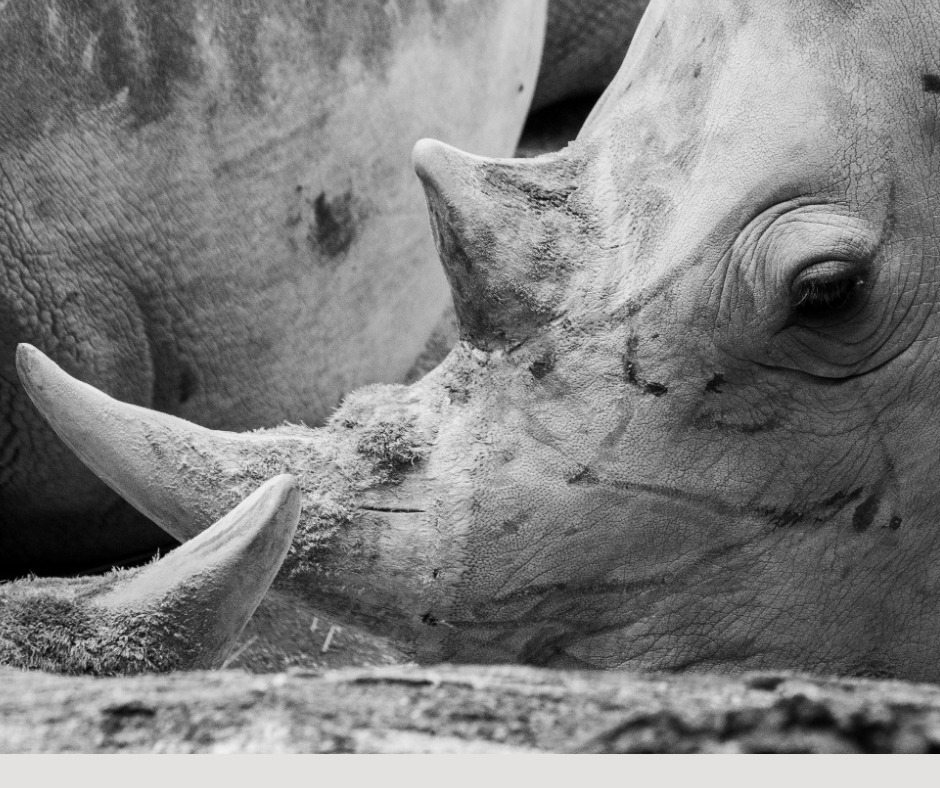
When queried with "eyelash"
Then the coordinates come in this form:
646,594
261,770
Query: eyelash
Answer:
825,289
826,296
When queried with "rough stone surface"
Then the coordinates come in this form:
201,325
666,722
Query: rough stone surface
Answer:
465,709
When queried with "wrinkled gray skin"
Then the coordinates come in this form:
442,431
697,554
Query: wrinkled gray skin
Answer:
207,208
585,42
690,423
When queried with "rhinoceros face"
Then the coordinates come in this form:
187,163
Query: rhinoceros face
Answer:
698,427
689,424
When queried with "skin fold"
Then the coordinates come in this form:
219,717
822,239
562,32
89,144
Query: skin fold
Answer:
689,421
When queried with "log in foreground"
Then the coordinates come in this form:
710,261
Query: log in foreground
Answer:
465,709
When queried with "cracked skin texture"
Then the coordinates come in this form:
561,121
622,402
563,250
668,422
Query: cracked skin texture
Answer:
654,448
206,208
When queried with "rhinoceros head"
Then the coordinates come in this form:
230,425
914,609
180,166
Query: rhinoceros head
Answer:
690,420
701,351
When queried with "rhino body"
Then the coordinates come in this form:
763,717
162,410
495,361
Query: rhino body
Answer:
689,422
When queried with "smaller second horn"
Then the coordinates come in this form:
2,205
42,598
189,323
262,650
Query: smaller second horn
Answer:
495,224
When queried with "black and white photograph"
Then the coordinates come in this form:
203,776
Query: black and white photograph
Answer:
470,376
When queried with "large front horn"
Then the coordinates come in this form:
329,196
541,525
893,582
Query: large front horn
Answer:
183,612
499,226
180,475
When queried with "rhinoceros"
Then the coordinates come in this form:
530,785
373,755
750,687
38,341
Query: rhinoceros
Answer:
688,423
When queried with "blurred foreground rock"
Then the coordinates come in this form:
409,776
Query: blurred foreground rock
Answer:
464,709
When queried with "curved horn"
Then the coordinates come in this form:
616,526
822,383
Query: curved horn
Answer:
204,592
183,612
497,225
180,475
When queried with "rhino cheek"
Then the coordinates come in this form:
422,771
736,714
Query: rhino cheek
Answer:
582,558
620,579
571,563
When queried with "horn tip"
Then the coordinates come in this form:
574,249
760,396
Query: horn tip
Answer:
431,158
425,152
283,497
37,372
28,358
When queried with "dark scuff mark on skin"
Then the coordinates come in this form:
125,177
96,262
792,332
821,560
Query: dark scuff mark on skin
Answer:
714,385
631,372
651,387
614,437
784,517
584,475
541,367
457,394
840,499
865,512
335,224
708,421
931,83
821,512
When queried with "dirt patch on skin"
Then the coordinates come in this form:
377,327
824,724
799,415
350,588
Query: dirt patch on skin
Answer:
392,446
336,223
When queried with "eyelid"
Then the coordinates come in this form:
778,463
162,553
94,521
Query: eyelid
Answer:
826,271
823,238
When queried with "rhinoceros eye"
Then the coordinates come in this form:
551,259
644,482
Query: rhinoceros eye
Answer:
826,290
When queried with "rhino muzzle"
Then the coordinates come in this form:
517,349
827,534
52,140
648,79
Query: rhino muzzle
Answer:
366,538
